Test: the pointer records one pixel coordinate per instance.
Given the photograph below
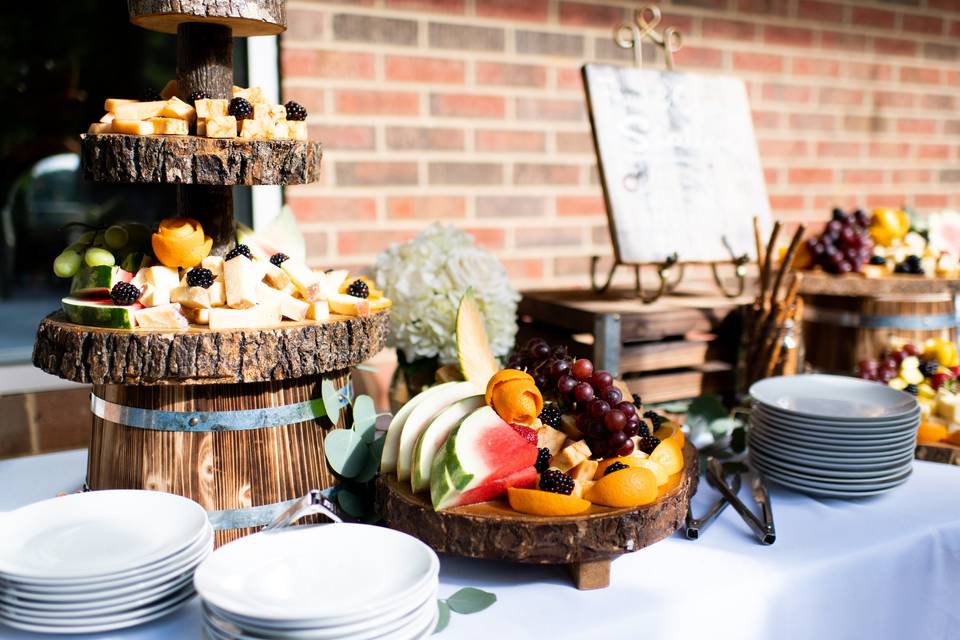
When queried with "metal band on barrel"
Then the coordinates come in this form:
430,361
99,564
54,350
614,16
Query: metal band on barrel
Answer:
247,517
856,320
204,421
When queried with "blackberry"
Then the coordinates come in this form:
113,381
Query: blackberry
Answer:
929,368
543,460
278,259
550,416
358,289
200,277
124,293
637,401
643,430
240,108
878,260
911,389
838,214
616,466
239,250
556,481
150,95
199,94
295,111
901,268
648,443
655,419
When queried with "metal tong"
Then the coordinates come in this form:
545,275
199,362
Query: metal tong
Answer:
696,526
764,530
311,504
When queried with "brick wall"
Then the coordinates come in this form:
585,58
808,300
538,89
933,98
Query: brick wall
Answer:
471,111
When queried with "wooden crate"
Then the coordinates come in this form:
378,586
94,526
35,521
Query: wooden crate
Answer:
681,346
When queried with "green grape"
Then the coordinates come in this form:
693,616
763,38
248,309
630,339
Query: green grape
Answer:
86,238
98,239
115,236
96,256
66,264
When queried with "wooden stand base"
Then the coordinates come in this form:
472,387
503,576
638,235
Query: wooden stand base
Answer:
590,575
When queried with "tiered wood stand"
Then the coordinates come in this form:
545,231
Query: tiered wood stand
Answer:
230,419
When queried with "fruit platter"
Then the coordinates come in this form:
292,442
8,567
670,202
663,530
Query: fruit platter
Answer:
546,461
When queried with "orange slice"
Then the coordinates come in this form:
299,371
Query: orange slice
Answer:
658,471
671,431
631,487
929,432
631,460
545,503
669,455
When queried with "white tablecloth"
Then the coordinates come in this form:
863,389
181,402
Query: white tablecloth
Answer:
884,567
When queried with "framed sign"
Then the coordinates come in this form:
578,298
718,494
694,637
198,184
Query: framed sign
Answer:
678,163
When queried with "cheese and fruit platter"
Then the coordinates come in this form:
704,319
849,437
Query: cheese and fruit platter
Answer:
546,461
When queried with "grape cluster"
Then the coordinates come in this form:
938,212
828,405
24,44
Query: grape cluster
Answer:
887,366
845,245
104,247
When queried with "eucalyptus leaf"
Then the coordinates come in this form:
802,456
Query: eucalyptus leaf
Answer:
677,406
376,448
331,400
723,426
364,418
738,440
351,503
346,452
444,618
369,470
470,600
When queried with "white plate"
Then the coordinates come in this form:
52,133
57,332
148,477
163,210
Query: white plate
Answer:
812,461
325,572
816,440
830,493
74,618
758,454
868,457
833,397
834,485
826,445
95,534
856,429
882,424
72,592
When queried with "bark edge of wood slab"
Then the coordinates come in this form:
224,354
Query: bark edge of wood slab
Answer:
116,157
493,531
260,18
201,356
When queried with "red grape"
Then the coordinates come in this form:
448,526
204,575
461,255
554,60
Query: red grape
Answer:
911,349
582,369
626,449
601,380
596,430
598,408
937,380
617,439
632,427
560,351
583,423
628,409
559,368
897,356
614,420
583,392
612,395
566,384
886,374
532,343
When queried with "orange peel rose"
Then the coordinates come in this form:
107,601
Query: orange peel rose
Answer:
514,396
180,242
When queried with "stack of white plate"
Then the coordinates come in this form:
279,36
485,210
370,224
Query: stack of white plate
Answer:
832,435
98,561
347,581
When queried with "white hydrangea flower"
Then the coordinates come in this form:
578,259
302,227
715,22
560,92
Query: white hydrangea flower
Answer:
426,277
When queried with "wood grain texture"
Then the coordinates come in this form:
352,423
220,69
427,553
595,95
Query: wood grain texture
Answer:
220,470
243,17
114,157
212,207
493,531
939,452
204,60
199,355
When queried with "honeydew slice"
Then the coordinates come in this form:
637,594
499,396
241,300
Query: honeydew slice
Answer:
420,417
433,437
391,444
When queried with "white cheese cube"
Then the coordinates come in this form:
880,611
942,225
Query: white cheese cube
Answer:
177,108
307,282
132,127
271,112
215,264
262,315
167,316
109,116
290,307
162,276
276,277
211,107
202,127
139,110
253,94
221,127
197,316
281,130
169,126
100,127
241,278
251,129
297,129
111,104
318,310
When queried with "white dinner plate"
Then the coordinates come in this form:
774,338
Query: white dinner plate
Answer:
292,574
830,493
826,445
867,457
855,429
834,485
82,618
812,461
871,475
838,398
97,533
816,440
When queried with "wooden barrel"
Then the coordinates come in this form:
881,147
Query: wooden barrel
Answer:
243,451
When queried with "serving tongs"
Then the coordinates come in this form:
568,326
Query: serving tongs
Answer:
313,503
764,530
696,526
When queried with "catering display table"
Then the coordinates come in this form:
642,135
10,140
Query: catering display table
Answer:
885,567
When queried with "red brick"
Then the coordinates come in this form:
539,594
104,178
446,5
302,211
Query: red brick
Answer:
418,69
895,46
574,142
426,207
946,5
869,71
868,17
425,138
923,24
304,24
886,200
913,176
700,57
343,64
862,176
889,149
332,208
768,62
377,29
773,148
524,268
433,6
509,140
581,14
550,237
298,62
920,75
932,200
465,173
492,239
569,79
370,102
786,92
955,28
893,99
791,36
933,151
369,241
872,124
844,41
511,206
462,105
549,109
939,101
375,174
703,4
511,75
310,97
727,29
820,11
525,173
765,7
816,67
535,10
916,126
809,175
812,121
792,202
581,206
845,149
343,136
317,244
766,119
836,95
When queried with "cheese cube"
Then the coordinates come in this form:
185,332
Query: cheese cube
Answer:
218,293
253,94
109,116
177,108
297,129
582,475
318,310
162,276
331,282
221,127
946,407
252,129
272,112
241,278
262,315
169,126
281,131
200,297
132,127
169,90
211,107
197,316
215,264
276,277
139,278
290,307
307,282
550,438
347,305
571,456
110,104
168,316
380,304
139,110
154,296
100,127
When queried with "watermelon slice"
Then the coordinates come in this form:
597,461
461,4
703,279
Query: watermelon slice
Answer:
97,282
481,459
100,313
434,436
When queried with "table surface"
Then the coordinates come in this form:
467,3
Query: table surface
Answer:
881,567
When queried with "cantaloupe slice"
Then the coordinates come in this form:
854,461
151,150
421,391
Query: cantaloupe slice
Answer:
474,354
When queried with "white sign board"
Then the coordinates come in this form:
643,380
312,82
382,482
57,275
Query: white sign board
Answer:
678,161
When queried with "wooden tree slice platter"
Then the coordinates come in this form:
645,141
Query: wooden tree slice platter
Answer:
244,17
116,157
200,356
939,452
494,531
